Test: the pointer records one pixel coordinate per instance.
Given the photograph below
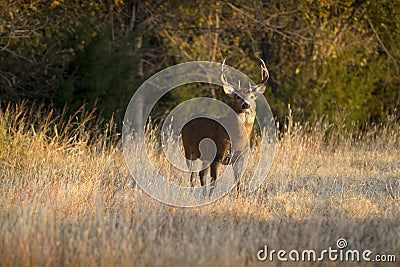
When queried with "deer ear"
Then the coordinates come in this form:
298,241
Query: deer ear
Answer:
228,89
259,89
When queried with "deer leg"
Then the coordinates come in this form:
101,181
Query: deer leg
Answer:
214,173
238,170
192,175
189,163
202,174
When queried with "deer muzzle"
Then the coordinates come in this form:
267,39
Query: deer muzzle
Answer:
245,105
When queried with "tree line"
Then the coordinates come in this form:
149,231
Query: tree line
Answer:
333,58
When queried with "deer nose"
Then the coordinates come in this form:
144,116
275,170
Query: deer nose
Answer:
245,105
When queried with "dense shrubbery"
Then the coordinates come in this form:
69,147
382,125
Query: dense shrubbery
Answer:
333,58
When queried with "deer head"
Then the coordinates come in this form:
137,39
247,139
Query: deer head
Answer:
245,98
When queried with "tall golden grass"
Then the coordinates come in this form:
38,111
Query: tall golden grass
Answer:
67,198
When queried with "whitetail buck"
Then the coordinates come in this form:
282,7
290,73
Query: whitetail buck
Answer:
227,152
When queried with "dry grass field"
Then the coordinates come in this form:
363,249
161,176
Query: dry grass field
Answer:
67,199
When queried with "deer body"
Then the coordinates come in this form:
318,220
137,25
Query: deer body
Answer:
229,148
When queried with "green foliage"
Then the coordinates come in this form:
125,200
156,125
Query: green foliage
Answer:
38,38
102,75
333,58
344,86
69,53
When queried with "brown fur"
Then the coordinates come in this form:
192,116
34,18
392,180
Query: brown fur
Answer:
239,127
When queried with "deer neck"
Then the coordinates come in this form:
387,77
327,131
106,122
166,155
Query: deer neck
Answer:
247,117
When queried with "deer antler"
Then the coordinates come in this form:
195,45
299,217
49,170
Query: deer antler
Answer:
264,73
222,76
228,88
